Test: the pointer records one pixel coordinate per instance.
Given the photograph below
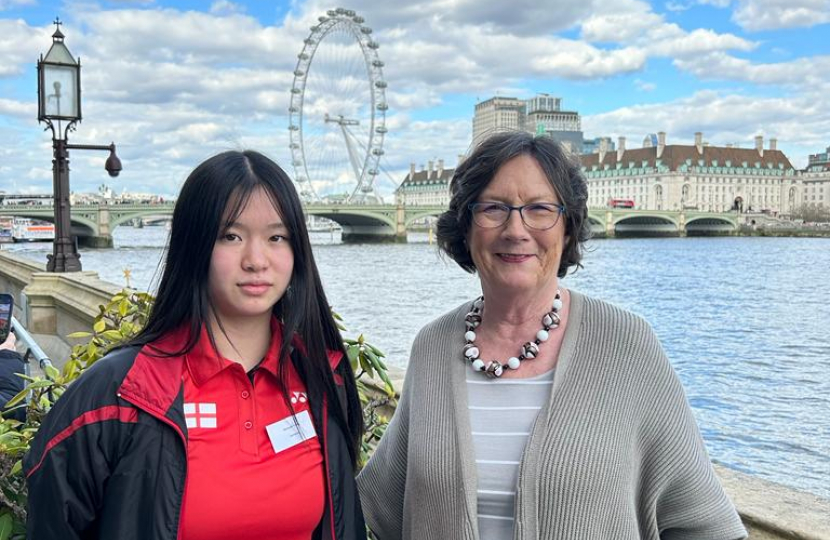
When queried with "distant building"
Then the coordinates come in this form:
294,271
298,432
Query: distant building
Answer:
662,176
594,145
541,114
816,179
429,186
497,114
820,159
544,116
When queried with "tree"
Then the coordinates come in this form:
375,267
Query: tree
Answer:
812,213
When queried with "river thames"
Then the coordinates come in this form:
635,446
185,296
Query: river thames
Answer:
744,321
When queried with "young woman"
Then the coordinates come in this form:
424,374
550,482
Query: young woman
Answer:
234,413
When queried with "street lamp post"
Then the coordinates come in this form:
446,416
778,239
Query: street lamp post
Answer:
59,103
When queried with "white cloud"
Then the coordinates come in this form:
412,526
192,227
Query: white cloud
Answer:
19,46
756,15
634,24
186,37
19,109
11,4
518,17
677,6
803,74
644,86
225,7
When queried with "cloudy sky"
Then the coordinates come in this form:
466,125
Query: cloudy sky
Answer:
174,81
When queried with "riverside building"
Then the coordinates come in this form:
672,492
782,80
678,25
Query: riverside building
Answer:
661,176
428,187
541,115
498,114
816,179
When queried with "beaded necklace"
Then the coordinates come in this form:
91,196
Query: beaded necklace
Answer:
529,350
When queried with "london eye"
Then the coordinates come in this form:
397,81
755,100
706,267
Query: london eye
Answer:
337,114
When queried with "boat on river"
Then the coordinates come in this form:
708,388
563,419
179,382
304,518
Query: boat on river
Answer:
29,230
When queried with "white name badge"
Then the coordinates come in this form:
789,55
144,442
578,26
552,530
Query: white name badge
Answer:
287,433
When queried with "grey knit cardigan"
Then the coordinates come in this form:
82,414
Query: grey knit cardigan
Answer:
616,453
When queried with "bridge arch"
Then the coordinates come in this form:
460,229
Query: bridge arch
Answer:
363,223
415,216
645,225
710,225
127,217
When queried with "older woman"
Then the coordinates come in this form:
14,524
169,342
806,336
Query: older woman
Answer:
534,411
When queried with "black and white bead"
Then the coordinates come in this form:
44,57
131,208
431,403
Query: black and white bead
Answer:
529,350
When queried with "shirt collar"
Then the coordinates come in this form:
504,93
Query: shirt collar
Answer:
204,362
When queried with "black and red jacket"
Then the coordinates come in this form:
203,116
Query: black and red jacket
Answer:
110,460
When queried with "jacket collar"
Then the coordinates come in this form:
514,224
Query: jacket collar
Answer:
154,380
204,361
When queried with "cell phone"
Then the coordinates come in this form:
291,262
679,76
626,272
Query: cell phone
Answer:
6,311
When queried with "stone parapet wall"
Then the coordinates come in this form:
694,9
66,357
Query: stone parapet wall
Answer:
53,305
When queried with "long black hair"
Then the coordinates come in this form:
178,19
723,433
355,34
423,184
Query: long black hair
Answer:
214,194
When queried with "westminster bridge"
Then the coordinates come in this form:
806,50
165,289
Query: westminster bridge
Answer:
93,223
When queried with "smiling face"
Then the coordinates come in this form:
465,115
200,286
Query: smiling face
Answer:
513,258
251,263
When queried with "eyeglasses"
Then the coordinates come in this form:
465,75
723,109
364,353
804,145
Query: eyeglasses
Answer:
538,216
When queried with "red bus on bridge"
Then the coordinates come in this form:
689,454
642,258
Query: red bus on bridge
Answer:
620,203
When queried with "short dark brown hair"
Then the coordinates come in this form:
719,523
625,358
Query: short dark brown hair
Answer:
476,172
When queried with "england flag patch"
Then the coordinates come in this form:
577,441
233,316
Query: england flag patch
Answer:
200,415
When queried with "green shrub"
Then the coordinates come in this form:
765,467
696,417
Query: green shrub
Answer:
119,320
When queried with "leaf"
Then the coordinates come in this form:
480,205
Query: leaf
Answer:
353,353
99,326
51,372
41,383
366,365
390,388
18,398
17,468
6,523
113,335
79,335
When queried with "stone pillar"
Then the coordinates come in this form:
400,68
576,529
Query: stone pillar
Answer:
400,223
104,237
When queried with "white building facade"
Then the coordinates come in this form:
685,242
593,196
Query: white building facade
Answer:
816,179
699,177
428,187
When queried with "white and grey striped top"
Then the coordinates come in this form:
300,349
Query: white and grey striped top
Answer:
502,414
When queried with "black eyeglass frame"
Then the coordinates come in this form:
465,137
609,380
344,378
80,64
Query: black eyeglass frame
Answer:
560,207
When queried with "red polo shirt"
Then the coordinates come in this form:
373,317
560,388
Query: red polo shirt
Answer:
238,485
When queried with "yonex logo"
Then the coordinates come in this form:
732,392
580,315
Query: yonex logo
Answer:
298,397
200,415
